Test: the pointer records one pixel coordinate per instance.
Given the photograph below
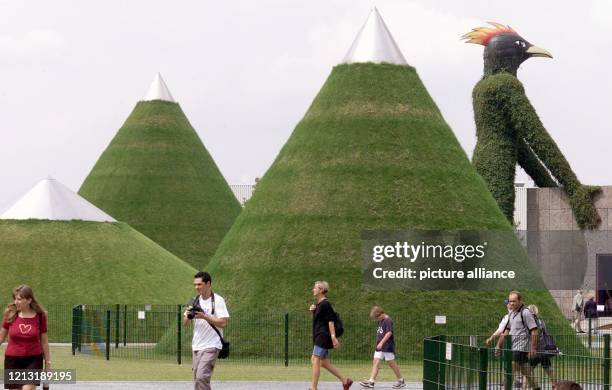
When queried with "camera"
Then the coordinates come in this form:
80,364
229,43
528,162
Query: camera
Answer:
194,308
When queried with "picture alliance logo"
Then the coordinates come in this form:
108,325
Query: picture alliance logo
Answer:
414,252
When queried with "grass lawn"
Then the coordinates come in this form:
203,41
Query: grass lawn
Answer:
93,368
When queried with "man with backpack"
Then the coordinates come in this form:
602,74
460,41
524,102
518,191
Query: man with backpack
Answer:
324,321
523,329
385,349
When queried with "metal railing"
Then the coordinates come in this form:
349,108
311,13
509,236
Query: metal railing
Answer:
156,332
452,362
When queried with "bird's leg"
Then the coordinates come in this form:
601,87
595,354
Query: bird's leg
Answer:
533,166
495,160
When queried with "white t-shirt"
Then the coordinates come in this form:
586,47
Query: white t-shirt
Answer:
204,336
502,325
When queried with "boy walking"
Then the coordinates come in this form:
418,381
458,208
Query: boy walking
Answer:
385,349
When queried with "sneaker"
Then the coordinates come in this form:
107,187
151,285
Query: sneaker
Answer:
399,384
367,384
347,384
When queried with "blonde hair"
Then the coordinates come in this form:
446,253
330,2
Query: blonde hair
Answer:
376,311
25,292
533,309
324,285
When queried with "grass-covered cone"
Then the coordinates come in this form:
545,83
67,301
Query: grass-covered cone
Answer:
372,152
70,262
157,176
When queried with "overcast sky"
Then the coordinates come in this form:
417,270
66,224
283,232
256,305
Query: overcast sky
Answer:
246,71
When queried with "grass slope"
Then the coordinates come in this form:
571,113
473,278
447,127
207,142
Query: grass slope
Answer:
372,152
157,176
89,262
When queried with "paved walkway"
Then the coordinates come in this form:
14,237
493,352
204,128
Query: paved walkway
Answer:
219,386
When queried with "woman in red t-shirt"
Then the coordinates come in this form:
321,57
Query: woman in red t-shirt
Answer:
25,323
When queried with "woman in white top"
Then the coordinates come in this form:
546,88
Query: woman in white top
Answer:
502,325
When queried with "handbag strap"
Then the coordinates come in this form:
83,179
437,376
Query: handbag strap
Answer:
45,386
218,333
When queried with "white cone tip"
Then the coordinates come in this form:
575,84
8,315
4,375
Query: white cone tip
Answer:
51,200
158,90
374,43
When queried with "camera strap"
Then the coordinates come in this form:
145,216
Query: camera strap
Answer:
212,302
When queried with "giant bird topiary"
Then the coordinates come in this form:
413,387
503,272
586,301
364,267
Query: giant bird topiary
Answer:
509,130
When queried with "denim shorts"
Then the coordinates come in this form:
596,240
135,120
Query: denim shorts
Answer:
320,352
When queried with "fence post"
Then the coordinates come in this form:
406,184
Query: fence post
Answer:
80,326
484,360
442,363
606,362
507,356
178,334
108,333
117,326
430,363
124,325
286,339
75,328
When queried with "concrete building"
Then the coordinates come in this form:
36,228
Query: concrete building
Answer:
568,258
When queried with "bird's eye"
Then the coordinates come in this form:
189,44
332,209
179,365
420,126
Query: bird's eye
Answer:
520,44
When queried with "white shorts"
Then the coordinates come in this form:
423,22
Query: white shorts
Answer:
384,355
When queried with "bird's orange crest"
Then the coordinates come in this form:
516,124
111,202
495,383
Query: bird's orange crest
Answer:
482,35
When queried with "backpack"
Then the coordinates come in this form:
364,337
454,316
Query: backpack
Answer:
338,325
546,343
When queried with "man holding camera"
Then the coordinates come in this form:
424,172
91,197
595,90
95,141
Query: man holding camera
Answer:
207,311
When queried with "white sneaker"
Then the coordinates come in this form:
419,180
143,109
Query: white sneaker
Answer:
367,384
399,384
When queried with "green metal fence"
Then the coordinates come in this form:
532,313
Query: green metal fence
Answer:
463,362
156,332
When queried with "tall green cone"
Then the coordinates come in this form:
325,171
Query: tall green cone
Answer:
372,152
157,176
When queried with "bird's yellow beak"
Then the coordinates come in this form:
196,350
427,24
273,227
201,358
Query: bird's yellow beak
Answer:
535,51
